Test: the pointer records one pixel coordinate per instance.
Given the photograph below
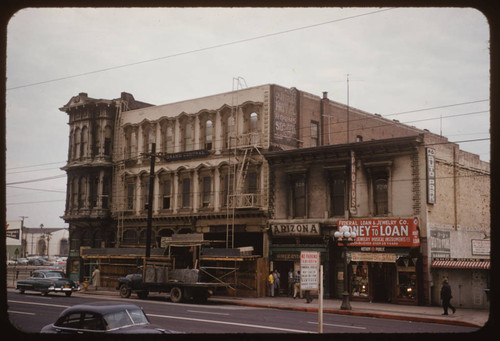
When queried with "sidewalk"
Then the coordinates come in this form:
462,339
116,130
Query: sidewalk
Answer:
463,316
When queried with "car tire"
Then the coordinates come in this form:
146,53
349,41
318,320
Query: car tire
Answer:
44,293
124,291
21,291
176,294
68,293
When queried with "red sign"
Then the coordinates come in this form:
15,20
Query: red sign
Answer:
383,232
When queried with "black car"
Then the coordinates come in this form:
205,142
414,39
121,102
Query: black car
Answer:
103,318
45,281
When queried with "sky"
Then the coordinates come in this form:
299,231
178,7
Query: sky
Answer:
428,67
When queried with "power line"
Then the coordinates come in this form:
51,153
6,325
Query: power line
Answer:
438,107
37,189
200,49
41,164
36,180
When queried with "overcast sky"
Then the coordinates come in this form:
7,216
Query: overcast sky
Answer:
401,60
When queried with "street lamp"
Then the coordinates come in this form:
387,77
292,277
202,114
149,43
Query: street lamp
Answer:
345,237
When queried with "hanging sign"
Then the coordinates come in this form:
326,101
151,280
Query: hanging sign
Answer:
384,232
431,176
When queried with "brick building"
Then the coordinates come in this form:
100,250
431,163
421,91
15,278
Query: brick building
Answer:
213,176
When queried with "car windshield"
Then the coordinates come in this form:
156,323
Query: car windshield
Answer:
53,274
125,318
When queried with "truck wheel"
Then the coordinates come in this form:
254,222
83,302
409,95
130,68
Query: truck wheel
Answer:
124,291
143,294
176,294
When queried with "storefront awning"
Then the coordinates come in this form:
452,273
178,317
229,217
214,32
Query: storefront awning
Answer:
461,264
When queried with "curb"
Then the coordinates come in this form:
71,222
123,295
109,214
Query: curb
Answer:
363,313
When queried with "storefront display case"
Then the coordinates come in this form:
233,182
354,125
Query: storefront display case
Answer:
359,283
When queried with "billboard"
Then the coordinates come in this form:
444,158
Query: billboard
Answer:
285,116
396,232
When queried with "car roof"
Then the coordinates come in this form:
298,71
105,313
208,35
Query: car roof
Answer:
100,308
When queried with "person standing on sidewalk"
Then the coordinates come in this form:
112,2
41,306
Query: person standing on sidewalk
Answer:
290,283
296,288
270,282
276,276
96,277
446,297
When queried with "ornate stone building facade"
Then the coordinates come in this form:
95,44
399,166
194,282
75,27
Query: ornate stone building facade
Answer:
233,166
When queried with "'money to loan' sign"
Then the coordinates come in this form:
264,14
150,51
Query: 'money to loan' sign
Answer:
384,232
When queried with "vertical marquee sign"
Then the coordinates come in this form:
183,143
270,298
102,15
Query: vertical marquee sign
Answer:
431,175
352,207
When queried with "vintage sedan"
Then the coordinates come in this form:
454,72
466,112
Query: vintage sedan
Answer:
45,281
103,317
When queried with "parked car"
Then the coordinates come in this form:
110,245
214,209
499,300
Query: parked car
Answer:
45,281
103,318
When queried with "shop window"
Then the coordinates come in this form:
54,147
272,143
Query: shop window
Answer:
406,279
360,280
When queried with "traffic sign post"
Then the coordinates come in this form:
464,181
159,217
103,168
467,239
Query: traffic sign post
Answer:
311,278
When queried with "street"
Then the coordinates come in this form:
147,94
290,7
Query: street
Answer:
30,312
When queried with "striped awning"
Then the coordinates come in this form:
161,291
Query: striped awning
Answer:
461,264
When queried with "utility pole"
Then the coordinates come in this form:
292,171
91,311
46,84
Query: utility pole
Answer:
23,237
347,108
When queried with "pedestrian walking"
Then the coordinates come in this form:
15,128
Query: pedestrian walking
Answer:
290,283
270,282
296,286
446,297
276,276
308,296
96,277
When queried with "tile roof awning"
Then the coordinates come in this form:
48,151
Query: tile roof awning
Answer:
461,264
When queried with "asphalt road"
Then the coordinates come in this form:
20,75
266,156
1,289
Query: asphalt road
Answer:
29,312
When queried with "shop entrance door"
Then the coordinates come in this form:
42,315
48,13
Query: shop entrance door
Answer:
382,282
283,268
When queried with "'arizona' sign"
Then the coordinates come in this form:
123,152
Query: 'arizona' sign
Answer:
384,232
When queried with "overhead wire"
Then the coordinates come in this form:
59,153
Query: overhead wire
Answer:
200,49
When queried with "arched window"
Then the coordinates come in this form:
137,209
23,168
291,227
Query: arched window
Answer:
254,118
130,237
41,247
76,145
85,142
169,140
107,140
230,132
97,140
188,137
208,134
381,196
